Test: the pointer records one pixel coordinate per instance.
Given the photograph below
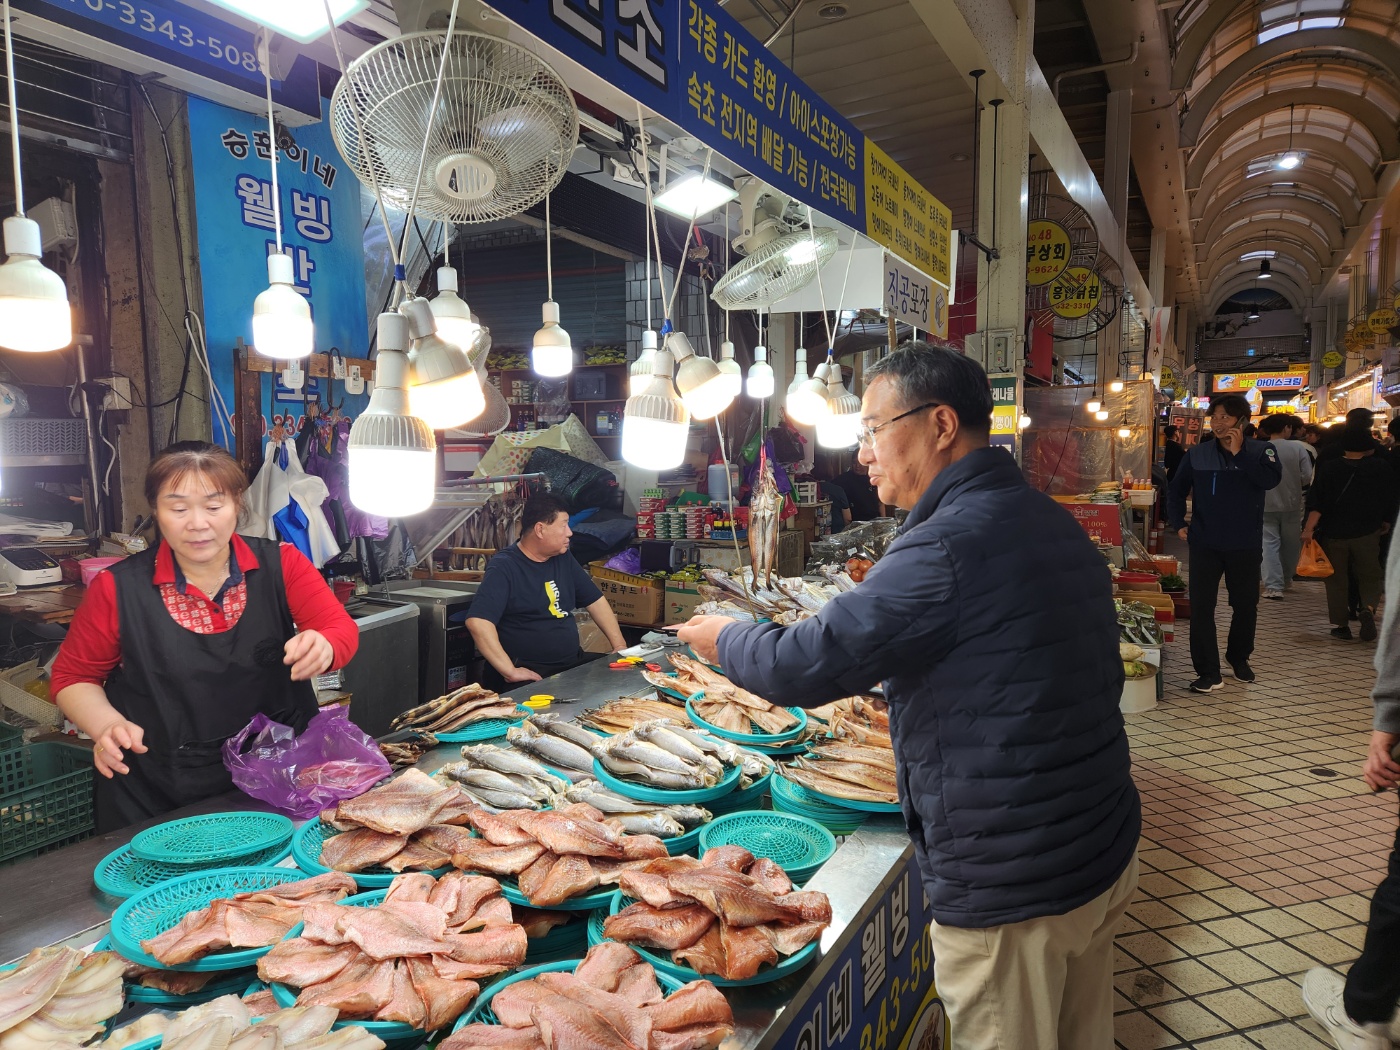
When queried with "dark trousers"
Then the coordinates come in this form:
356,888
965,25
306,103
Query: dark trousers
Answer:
1356,577
1373,984
1241,571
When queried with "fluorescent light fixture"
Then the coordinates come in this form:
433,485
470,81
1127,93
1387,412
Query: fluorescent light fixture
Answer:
693,195
34,313
300,20
1265,253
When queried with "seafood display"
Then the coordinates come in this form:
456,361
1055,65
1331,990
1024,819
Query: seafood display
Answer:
765,508
665,753
540,738
471,703
410,823
727,913
228,1022
859,718
58,997
783,600
403,753
612,1001
414,958
841,779
504,778
724,704
254,919
618,716
633,816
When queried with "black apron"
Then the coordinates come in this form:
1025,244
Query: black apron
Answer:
191,692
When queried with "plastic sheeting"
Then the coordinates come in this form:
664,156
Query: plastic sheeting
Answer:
1066,451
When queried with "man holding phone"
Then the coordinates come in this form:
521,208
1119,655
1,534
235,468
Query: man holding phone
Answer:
1226,479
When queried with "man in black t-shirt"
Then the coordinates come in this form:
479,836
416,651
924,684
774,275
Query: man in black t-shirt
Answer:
864,500
522,616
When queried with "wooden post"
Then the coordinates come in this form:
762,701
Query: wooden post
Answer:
893,337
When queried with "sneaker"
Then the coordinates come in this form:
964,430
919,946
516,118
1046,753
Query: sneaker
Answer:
1274,596
1206,685
1322,995
1343,632
1242,671
1368,625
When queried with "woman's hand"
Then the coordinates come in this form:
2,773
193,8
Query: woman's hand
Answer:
309,654
109,743
1381,771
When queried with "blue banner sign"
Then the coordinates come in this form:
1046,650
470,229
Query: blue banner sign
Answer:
321,230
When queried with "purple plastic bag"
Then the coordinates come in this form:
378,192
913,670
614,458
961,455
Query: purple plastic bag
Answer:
302,775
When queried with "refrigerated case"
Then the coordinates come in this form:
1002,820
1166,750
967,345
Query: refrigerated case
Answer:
447,657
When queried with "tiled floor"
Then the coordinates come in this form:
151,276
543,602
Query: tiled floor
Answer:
1261,844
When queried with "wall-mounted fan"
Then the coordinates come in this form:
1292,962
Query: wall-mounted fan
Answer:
1060,236
1085,302
780,255
502,134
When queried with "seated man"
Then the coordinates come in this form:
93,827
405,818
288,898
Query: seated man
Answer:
522,617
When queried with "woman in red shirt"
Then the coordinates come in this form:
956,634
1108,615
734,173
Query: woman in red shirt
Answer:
174,650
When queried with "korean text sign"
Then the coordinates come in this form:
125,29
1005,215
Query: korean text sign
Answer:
877,983
905,218
321,230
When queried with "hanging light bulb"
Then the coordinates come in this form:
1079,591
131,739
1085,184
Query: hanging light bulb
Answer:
451,313
1115,387
1125,431
656,423
639,374
34,313
730,370
1093,405
799,369
553,353
839,426
282,327
702,385
760,383
1101,415
810,400
444,390
392,454
1023,422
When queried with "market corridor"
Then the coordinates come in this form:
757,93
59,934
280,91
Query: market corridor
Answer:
1261,844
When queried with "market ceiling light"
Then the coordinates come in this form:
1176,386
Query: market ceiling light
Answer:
1093,405
808,400
1290,159
656,423
1101,415
1125,431
703,387
1023,422
760,381
451,313
444,389
34,311
639,373
392,454
553,352
1265,270
302,22
839,426
1115,387
729,368
694,194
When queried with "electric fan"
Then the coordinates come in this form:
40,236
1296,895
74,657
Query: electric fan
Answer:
781,256
501,136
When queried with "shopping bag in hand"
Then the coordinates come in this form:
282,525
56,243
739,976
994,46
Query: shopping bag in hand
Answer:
1313,561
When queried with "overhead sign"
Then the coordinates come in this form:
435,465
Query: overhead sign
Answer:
1047,251
1292,381
912,297
1383,320
905,217
1076,293
1332,359
321,230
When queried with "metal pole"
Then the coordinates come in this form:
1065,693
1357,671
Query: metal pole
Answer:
79,344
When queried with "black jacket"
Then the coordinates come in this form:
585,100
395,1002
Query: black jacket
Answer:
1354,497
1227,494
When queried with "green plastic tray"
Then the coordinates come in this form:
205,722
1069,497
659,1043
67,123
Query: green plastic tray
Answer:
46,796
748,798
510,890
757,737
212,838
230,985
797,844
846,803
306,851
487,730
788,797
155,910
121,874
10,737
643,793
481,1013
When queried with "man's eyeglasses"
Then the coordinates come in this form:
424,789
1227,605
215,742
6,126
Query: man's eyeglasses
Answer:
866,437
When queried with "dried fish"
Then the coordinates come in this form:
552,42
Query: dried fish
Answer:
765,506
618,716
471,703
568,758
402,753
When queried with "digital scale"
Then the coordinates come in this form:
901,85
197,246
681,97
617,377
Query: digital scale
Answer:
28,567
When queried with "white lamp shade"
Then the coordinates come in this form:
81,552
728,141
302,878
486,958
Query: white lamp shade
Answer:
810,400
553,352
760,384
282,328
451,313
839,430
732,376
654,444
1093,405
1101,415
448,403
1116,387
391,483
699,381
392,455
34,313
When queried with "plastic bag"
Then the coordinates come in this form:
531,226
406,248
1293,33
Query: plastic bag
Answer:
331,760
1313,562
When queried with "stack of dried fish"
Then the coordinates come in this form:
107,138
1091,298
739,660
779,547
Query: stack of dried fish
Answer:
499,778
563,745
58,997
724,704
412,823
471,703
611,1000
228,1022
633,816
415,958
726,913
860,718
406,752
860,772
785,600
253,919
667,754
618,716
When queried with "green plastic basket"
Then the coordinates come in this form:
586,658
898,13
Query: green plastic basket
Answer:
755,737
122,874
45,795
663,796
797,844
510,890
846,803
490,729
749,798
11,737
563,942
788,797
481,1013
153,911
230,985
306,851
212,838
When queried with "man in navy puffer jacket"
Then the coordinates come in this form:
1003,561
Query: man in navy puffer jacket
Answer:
990,621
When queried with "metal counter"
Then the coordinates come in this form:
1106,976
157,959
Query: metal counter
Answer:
51,898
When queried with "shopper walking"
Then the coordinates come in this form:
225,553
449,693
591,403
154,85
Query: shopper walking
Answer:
1351,503
1358,1012
1172,451
1012,760
1283,506
1226,480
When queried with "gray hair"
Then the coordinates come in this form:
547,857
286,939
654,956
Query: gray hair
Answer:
923,372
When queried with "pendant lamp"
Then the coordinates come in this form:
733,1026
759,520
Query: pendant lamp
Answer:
701,384
656,423
808,399
282,326
34,313
451,313
839,426
444,389
639,373
1093,405
1115,387
729,368
553,352
392,455
760,382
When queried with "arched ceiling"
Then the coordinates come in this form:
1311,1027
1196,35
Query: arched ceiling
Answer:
1260,79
